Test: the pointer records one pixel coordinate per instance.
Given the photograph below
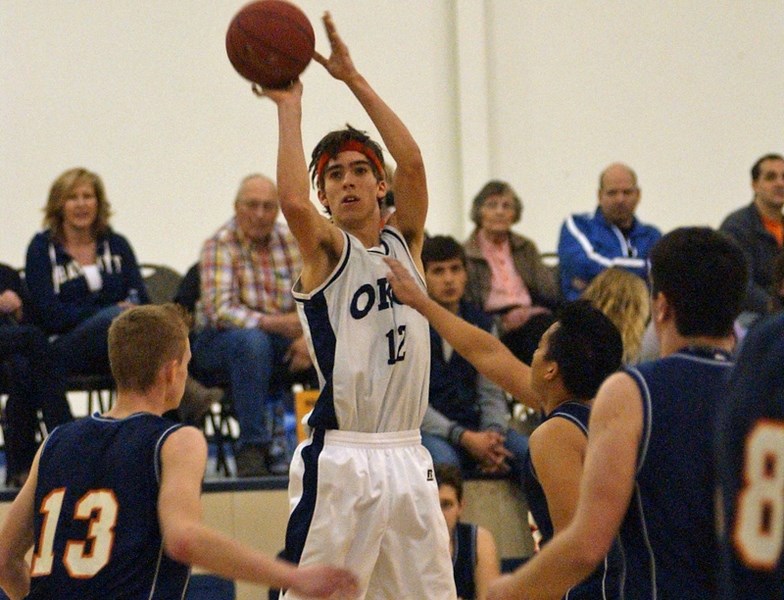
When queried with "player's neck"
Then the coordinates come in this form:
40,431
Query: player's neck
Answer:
554,396
368,234
129,403
675,342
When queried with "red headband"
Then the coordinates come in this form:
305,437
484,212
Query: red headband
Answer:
355,145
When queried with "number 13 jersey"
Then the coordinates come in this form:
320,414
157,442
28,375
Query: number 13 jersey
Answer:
371,353
96,522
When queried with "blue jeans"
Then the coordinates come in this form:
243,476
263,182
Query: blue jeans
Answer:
442,451
248,358
85,349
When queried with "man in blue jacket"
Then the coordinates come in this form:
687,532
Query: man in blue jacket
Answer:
611,237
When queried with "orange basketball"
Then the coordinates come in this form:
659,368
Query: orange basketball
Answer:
270,42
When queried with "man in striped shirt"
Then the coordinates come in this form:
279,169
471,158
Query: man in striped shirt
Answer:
247,328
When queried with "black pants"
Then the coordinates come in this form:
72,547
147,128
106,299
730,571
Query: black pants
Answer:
35,380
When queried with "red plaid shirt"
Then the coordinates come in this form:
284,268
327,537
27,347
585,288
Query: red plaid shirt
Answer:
241,279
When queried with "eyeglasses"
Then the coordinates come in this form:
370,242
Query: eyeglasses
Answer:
254,205
503,204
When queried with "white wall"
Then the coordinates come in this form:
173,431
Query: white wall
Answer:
684,92
542,94
142,93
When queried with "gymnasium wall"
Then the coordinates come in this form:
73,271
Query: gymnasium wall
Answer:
542,94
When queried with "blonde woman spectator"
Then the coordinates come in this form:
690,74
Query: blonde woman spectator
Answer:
625,299
80,272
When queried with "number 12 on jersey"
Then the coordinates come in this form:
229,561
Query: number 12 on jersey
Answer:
396,340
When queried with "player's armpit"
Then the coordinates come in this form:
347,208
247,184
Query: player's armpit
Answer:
183,459
557,449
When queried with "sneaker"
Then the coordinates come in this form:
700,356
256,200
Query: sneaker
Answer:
277,459
197,401
251,461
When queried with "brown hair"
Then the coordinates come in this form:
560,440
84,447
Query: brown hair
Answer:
495,187
58,193
143,339
447,474
625,299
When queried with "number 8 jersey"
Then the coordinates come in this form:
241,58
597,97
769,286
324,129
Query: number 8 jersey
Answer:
750,468
96,521
371,353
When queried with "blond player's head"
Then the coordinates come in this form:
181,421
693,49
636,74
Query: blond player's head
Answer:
142,340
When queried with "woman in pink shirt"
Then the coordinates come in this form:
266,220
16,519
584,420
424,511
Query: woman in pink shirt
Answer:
506,274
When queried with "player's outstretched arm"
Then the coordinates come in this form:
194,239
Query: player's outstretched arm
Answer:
606,488
410,181
17,537
483,350
187,540
319,241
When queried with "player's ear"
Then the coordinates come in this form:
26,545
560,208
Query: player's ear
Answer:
168,371
322,197
552,371
661,308
382,189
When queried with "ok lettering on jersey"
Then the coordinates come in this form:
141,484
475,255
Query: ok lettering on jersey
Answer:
364,299
380,296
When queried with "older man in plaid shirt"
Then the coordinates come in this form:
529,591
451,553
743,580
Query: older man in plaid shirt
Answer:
246,322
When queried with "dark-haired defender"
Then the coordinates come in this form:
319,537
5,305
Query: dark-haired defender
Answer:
648,477
750,468
574,356
112,505
362,490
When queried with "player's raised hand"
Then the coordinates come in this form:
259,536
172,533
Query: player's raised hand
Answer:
280,95
324,581
339,63
403,285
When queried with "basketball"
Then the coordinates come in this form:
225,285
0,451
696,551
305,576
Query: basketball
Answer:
270,42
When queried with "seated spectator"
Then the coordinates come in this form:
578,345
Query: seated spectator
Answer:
473,548
626,301
759,229
80,273
611,237
35,380
777,286
247,329
467,419
506,274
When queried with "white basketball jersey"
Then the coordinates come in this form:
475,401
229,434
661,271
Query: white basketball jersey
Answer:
371,352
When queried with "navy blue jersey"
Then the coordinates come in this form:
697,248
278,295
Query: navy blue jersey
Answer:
604,581
464,560
668,534
96,519
750,468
